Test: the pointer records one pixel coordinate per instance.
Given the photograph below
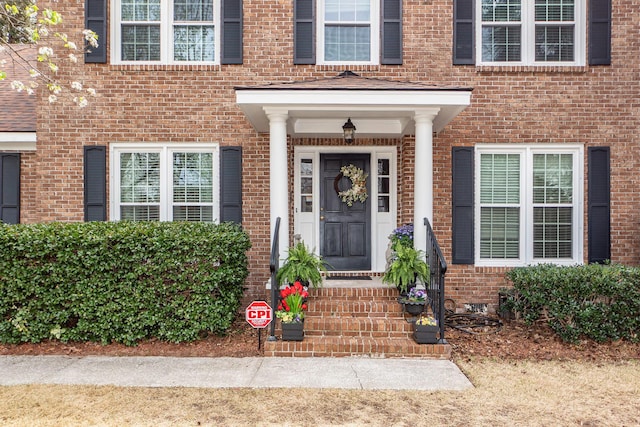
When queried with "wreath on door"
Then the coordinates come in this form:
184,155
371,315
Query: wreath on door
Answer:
358,190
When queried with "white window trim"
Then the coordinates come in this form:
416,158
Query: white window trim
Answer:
528,37
166,36
375,36
526,196
166,189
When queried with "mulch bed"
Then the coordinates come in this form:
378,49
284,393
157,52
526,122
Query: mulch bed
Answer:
510,341
518,341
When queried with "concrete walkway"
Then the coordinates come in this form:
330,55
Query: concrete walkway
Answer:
227,372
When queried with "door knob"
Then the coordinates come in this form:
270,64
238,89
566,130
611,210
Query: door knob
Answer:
321,217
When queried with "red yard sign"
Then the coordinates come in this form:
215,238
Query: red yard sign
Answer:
259,314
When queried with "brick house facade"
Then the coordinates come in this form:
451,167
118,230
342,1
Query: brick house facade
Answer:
527,115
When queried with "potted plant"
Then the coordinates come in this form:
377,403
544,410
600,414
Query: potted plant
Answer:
407,268
302,265
402,236
293,303
426,330
415,300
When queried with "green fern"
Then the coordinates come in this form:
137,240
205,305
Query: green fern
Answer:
303,265
407,268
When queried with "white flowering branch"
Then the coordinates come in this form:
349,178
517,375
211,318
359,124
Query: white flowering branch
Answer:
22,23
358,190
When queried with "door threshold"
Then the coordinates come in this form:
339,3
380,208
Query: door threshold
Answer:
345,282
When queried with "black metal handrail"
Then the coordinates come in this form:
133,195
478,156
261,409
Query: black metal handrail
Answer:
274,264
438,267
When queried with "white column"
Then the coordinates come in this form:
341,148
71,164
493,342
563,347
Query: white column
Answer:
279,175
423,176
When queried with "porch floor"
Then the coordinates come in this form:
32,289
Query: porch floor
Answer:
356,318
375,282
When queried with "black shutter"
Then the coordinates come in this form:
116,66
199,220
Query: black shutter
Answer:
600,32
10,188
599,205
95,19
231,184
304,32
95,183
231,32
462,205
463,32
391,32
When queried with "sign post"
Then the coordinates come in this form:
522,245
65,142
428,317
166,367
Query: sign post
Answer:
259,315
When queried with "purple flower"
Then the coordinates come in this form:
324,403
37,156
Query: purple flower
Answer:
417,294
403,235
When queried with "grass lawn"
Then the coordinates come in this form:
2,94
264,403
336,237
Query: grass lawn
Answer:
522,393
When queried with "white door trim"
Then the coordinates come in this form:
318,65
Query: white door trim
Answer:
307,224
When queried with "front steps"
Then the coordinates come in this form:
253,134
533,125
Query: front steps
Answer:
355,321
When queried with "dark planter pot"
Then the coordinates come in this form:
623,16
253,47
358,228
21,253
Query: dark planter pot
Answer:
425,334
293,331
414,308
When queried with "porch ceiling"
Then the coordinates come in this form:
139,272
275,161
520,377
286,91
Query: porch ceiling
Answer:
378,108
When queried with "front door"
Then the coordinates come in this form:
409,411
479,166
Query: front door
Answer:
345,231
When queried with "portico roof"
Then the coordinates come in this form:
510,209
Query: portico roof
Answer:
378,107
17,109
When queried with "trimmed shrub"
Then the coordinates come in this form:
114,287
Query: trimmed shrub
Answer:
601,302
120,281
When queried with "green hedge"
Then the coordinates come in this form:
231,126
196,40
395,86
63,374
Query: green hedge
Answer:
601,302
119,281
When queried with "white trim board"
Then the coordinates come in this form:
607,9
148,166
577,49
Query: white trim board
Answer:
18,141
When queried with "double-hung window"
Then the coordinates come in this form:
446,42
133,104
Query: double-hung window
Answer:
348,31
166,31
531,32
529,205
164,183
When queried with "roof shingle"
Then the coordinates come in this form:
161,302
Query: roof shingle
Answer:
17,109
349,80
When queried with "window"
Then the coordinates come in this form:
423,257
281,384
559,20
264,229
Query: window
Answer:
384,187
500,206
167,31
529,32
529,205
306,185
164,183
348,31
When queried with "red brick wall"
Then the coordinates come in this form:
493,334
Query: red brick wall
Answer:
587,105
28,180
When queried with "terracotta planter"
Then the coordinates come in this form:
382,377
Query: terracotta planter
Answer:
425,334
293,331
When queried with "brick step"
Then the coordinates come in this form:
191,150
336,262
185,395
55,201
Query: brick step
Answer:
371,302
378,294
353,308
342,346
357,326
356,322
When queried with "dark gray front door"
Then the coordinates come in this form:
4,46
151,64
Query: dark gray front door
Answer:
345,231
